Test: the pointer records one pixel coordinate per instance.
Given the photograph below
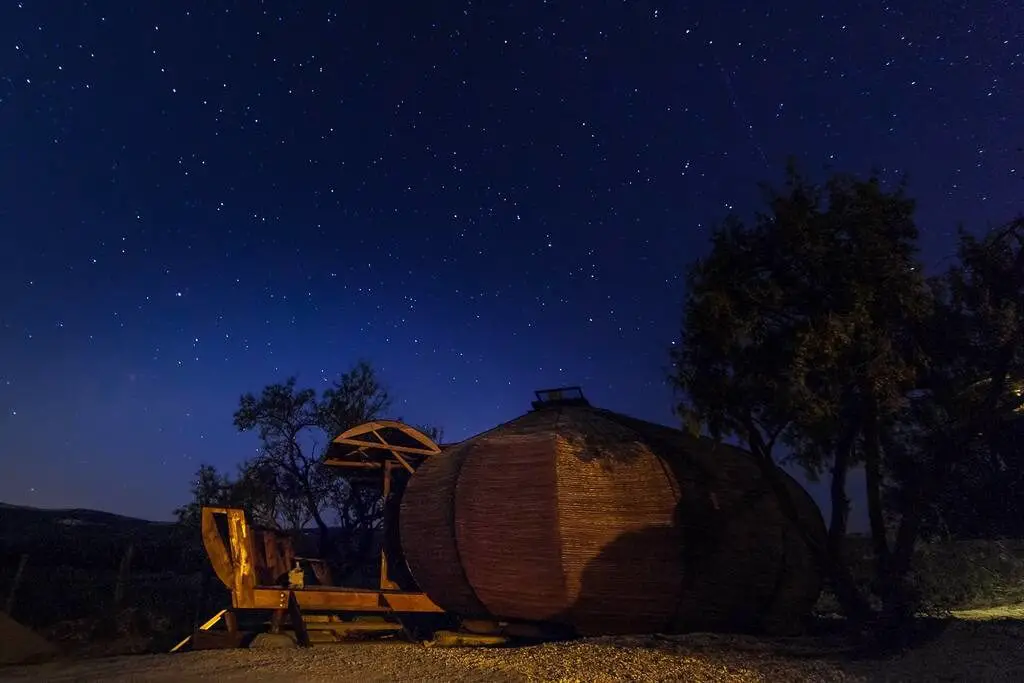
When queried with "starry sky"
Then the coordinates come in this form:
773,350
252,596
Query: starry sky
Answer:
480,198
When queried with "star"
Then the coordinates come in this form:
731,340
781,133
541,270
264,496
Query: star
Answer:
480,203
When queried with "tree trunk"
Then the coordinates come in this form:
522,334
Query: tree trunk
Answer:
897,606
832,564
300,470
854,605
837,492
325,531
873,483
891,632
922,490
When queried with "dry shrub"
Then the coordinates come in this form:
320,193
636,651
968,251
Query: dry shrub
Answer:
947,574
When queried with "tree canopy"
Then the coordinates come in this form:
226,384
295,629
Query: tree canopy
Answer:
810,333
285,486
974,398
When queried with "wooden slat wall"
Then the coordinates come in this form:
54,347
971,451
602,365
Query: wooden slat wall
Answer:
607,524
622,554
507,527
427,527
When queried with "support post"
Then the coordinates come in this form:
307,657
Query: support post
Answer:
385,581
122,576
298,623
276,620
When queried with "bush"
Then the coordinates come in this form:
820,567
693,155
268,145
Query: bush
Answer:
970,574
947,575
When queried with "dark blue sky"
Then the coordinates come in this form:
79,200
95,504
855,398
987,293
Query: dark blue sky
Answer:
200,198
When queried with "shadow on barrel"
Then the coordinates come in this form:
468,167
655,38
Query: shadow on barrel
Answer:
673,579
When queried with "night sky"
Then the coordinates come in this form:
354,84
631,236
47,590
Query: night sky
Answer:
481,199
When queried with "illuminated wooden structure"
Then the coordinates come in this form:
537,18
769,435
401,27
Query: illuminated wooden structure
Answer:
601,523
392,451
568,520
250,577
255,564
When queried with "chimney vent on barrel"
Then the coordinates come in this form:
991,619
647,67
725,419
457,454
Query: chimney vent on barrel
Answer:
561,396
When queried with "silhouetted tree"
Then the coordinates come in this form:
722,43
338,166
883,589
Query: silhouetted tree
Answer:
270,496
294,427
285,486
209,487
802,329
254,488
356,397
970,412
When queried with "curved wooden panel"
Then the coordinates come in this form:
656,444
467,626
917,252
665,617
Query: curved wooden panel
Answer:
607,525
413,440
621,552
506,525
800,578
427,531
217,548
732,572
752,570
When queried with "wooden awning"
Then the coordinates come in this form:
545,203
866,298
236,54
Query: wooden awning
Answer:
370,444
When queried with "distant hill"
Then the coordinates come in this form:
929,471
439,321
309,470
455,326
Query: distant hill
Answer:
73,561
18,515
91,538
97,540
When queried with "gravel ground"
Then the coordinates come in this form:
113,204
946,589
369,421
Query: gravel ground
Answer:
369,662
966,651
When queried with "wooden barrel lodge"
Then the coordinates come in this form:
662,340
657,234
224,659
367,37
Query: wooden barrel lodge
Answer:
604,524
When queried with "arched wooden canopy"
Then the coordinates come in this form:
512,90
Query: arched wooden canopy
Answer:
372,443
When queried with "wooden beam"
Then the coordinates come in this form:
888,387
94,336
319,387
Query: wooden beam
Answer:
385,582
429,447
337,462
408,430
455,639
243,564
410,602
217,548
411,450
182,644
210,623
328,600
394,451
405,463
357,601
